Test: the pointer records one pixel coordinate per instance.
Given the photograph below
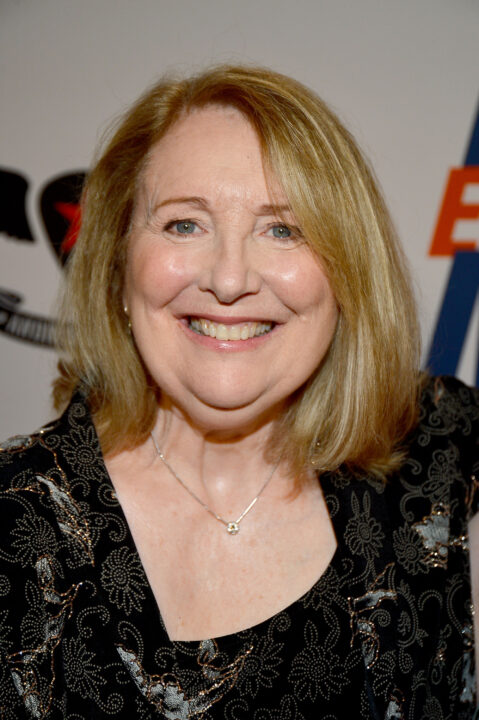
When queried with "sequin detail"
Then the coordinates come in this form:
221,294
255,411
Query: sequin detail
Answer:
360,609
434,533
30,666
165,692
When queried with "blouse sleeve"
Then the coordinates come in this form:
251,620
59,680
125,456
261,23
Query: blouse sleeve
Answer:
471,447
450,418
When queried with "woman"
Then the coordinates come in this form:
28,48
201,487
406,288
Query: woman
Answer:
245,510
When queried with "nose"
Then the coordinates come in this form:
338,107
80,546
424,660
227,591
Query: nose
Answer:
230,272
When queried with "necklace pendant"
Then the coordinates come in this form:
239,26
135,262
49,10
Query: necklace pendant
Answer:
232,528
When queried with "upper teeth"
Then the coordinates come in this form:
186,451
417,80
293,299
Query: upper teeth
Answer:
242,331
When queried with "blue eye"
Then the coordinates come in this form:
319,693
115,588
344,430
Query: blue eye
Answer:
281,231
185,227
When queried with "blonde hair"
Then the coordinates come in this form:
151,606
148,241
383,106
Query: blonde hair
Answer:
361,402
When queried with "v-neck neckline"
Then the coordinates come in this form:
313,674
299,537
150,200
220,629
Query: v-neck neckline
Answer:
228,639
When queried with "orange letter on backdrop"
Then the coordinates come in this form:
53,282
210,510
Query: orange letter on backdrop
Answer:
454,209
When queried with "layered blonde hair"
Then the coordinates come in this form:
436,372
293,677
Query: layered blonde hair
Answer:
362,400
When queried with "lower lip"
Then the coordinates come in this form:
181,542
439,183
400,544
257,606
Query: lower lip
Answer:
227,345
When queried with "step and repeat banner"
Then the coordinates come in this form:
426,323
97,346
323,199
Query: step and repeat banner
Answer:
404,77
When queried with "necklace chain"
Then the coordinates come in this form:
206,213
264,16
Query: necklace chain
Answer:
232,526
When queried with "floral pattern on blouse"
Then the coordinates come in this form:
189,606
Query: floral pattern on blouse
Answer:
385,633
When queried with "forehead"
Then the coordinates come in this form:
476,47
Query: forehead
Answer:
212,146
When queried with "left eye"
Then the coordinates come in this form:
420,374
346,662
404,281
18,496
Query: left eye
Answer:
280,231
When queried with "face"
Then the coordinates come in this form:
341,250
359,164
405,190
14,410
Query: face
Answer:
231,311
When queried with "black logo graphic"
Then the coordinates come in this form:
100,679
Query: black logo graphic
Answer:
60,211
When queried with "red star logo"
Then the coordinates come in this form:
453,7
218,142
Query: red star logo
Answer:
72,213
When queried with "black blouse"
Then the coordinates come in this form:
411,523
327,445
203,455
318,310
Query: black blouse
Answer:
386,631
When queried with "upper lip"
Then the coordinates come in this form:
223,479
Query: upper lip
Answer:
228,320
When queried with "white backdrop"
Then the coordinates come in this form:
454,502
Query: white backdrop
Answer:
402,75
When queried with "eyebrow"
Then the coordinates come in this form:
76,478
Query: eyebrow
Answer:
193,200
266,209
273,209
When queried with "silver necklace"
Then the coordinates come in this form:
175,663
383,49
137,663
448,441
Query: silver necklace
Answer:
232,526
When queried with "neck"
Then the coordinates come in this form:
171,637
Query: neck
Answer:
220,464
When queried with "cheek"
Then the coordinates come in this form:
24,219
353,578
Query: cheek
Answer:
304,288
155,278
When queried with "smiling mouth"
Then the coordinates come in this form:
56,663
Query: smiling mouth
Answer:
241,331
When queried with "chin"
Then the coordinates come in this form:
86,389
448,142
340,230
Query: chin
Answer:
216,414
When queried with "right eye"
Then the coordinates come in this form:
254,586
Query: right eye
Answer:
182,227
